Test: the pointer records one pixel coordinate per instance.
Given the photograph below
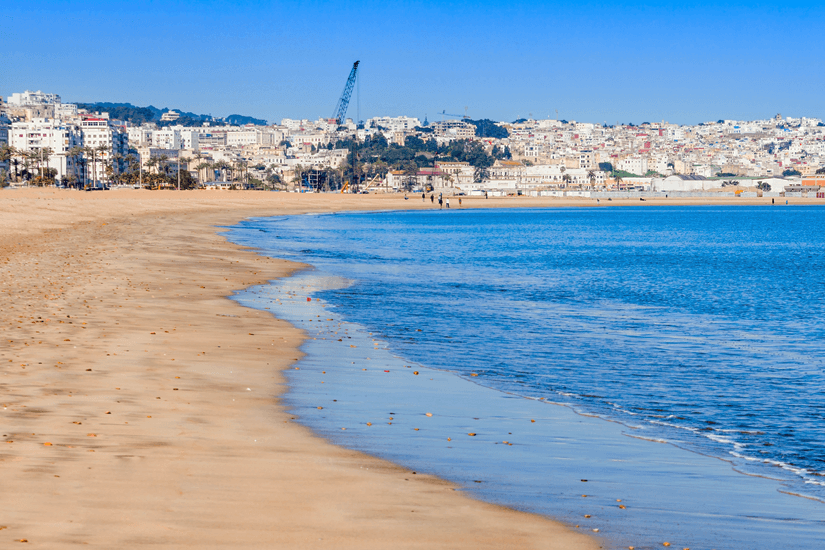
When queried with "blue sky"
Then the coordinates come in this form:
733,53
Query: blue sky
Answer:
591,61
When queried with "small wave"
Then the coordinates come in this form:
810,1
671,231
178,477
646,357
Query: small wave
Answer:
801,472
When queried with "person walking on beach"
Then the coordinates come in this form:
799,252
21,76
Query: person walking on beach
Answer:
448,204
432,198
440,202
423,197
459,202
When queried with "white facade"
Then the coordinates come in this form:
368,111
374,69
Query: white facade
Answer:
166,138
111,143
454,129
635,165
394,124
43,134
32,98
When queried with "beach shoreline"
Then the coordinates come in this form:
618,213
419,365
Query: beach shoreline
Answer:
110,448
378,260
141,405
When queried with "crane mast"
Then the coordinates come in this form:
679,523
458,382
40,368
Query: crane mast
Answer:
343,103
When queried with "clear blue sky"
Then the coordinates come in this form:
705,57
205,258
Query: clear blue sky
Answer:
593,61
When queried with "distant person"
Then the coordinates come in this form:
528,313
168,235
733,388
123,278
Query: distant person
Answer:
597,201
485,195
459,202
773,201
432,198
405,197
448,204
440,202
423,197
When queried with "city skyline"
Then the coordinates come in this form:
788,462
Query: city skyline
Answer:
596,63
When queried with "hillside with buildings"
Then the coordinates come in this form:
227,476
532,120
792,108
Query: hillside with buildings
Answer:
46,141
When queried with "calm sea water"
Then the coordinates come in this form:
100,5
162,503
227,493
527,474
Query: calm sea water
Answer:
698,326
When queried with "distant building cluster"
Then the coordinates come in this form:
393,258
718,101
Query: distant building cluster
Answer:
44,137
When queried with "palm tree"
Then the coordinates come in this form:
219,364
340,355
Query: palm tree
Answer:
105,153
152,163
91,151
117,160
30,159
224,167
592,176
16,163
163,161
298,175
199,157
45,155
242,171
77,154
203,166
7,153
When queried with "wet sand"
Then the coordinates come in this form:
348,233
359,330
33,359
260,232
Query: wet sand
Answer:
141,407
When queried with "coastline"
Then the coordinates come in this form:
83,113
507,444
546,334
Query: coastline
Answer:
669,486
131,419
151,273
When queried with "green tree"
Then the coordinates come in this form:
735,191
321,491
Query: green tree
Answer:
104,153
7,153
203,167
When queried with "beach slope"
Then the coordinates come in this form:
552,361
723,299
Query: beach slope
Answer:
141,407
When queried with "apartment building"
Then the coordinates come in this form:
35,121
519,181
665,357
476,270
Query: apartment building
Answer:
454,129
393,124
32,98
111,142
53,139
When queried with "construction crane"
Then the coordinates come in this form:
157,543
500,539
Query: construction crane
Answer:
343,102
446,114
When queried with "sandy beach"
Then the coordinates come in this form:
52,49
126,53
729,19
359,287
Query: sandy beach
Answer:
141,407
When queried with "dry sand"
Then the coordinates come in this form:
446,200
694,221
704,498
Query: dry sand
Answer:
140,406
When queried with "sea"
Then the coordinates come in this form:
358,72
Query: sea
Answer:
643,374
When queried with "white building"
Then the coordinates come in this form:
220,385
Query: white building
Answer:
635,164
32,98
454,129
169,116
53,138
111,143
166,138
394,124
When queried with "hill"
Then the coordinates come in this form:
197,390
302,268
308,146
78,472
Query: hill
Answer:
139,115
